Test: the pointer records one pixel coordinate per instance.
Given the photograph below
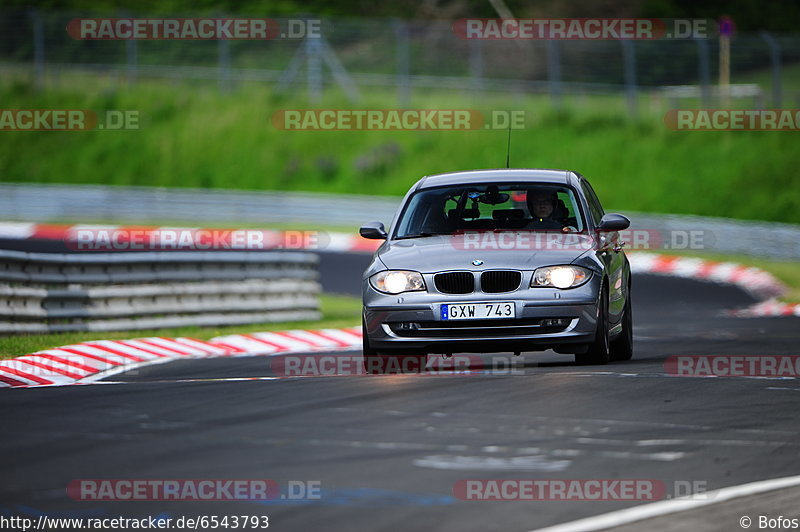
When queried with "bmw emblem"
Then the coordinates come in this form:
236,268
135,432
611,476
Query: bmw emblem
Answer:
477,262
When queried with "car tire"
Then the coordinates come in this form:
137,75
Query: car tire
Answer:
622,346
599,351
372,360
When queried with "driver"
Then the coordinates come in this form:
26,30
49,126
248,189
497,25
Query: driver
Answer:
542,204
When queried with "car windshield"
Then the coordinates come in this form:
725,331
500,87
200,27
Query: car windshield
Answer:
490,207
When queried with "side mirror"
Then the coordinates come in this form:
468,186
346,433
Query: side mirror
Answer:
373,230
613,222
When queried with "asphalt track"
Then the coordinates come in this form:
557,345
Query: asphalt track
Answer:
388,450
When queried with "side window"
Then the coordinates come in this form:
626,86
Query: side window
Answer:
595,209
566,199
596,199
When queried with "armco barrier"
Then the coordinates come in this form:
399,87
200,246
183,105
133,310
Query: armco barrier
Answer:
95,203
50,292
92,203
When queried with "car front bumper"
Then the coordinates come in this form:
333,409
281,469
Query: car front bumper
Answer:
545,318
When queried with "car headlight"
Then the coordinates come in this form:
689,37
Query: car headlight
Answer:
397,281
560,277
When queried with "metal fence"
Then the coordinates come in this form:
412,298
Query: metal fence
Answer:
51,292
94,203
402,56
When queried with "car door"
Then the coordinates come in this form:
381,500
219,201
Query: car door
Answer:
610,252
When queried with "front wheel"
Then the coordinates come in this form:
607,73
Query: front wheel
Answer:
622,346
599,350
372,360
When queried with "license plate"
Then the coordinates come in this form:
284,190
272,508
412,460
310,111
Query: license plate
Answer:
478,311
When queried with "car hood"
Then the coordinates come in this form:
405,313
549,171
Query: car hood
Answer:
496,250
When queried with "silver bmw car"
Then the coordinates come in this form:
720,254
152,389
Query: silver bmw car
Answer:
497,260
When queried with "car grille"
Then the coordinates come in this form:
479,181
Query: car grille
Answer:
454,282
494,282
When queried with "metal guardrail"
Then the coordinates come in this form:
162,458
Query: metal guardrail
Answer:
51,292
87,203
725,235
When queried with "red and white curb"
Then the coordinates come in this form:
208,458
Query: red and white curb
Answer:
769,308
761,284
756,281
121,237
295,341
89,361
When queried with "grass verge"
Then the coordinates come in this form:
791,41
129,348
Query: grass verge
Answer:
195,136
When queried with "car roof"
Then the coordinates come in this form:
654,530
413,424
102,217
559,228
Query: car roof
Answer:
504,175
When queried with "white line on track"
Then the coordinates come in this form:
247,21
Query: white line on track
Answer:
122,369
661,508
